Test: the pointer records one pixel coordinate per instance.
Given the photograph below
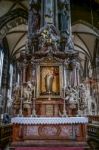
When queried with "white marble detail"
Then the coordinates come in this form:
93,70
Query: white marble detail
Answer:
49,120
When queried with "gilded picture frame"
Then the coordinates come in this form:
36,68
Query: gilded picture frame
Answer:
53,73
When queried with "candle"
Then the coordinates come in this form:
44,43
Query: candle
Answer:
18,79
64,91
65,77
21,93
75,78
34,91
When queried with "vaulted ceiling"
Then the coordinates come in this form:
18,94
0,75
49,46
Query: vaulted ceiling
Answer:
85,26
14,16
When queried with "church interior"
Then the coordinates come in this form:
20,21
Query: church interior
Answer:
49,74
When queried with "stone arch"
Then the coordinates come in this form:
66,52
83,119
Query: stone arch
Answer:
11,20
86,35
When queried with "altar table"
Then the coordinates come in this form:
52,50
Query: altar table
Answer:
50,130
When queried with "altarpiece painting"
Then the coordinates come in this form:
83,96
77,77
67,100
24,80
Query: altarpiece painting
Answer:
49,81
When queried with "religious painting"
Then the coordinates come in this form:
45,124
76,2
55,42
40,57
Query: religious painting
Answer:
49,80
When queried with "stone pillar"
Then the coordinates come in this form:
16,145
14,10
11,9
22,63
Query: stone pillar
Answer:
21,90
24,74
22,67
5,83
56,13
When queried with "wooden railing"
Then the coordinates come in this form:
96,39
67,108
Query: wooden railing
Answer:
93,119
5,134
93,132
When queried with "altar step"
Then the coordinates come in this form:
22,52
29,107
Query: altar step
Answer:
49,148
38,145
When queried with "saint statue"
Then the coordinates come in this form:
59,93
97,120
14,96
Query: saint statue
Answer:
49,82
49,12
65,24
27,93
65,16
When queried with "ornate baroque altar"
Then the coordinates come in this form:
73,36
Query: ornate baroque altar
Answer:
49,99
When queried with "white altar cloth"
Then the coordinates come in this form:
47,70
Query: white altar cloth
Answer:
49,120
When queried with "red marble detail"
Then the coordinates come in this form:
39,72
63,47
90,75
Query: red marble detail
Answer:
48,130
31,131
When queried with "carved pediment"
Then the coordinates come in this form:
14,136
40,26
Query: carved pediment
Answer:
49,60
49,56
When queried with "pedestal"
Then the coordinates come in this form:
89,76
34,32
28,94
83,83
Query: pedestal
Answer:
48,108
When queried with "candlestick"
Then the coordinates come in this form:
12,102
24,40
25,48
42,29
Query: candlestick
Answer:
64,91
33,110
64,110
18,79
49,97
20,111
34,92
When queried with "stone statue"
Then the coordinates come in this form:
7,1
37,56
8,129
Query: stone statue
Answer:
49,12
33,2
72,96
34,19
27,94
49,36
6,118
49,82
64,17
16,92
31,85
65,25
64,1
